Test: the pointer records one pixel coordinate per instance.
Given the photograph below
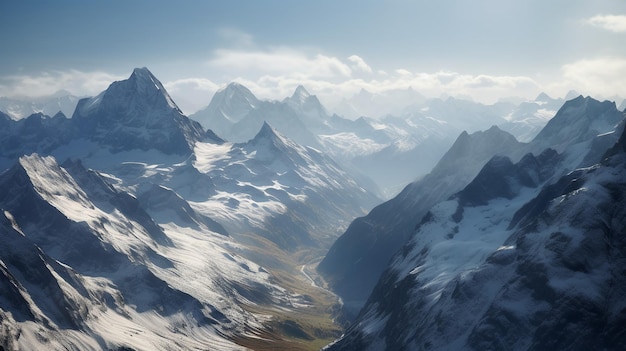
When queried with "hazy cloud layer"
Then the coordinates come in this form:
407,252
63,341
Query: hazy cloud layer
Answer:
333,79
47,83
275,72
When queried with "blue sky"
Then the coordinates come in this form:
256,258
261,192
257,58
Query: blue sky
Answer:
484,49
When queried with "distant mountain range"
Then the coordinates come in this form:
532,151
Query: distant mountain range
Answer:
392,149
62,101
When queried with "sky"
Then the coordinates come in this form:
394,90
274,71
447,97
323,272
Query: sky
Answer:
481,49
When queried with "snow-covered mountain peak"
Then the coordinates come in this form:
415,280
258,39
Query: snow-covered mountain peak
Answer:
141,92
228,105
137,113
143,83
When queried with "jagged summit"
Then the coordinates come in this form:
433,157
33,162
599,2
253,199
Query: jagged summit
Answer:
142,91
137,113
142,72
271,147
144,80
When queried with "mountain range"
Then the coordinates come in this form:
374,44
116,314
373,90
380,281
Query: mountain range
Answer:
396,137
129,226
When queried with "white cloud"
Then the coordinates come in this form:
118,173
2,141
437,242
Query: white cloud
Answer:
613,23
191,94
282,61
599,77
47,83
359,64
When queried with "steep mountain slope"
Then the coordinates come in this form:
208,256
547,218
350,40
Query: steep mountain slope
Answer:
526,256
356,260
100,270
